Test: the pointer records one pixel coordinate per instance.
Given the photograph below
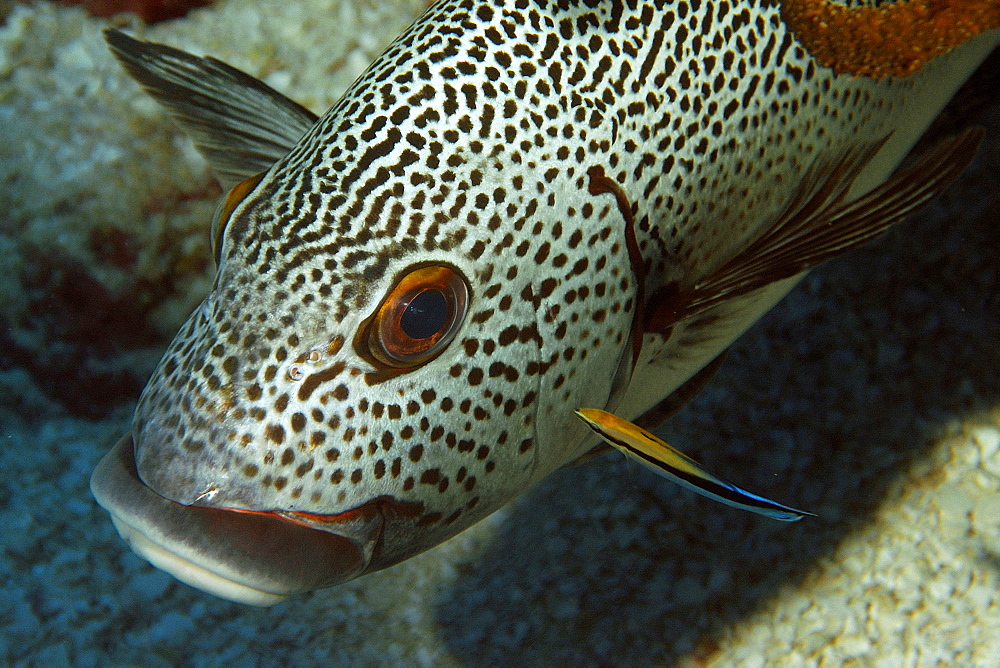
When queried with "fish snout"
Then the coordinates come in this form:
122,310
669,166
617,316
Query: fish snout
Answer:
253,557
191,471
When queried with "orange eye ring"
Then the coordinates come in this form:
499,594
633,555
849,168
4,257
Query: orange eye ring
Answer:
419,316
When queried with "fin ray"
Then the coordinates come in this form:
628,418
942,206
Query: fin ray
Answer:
818,225
240,124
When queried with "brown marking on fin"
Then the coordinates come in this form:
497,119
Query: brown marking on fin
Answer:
818,225
233,199
895,39
599,184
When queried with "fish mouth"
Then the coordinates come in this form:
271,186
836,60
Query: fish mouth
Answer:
257,558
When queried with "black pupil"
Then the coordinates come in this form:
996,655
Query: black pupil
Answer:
425,316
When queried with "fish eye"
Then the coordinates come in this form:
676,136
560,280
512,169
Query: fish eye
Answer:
419,316
425,315
225,209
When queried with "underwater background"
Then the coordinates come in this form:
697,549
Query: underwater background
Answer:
870,396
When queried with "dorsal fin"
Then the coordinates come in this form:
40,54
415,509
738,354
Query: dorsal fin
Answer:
818,225
240,124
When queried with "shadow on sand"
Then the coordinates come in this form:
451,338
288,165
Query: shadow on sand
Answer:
826,405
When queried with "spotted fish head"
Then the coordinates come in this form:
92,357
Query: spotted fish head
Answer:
365,367
394,341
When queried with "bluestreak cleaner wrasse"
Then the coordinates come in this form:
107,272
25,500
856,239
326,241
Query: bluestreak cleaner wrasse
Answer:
654,453
521,210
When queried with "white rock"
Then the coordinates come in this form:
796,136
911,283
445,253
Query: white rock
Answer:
988,441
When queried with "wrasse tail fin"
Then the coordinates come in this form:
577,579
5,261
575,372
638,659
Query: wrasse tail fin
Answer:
818,225
672,464
240,124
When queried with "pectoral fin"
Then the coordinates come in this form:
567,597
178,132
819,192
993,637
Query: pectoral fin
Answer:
649,450
819,223
682,396
240,124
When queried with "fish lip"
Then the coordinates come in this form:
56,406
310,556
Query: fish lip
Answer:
256,558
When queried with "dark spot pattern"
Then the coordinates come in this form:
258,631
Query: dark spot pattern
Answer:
468,143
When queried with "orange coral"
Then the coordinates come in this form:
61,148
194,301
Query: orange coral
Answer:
150,11
896,39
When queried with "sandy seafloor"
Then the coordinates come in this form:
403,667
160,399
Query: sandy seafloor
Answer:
870,396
